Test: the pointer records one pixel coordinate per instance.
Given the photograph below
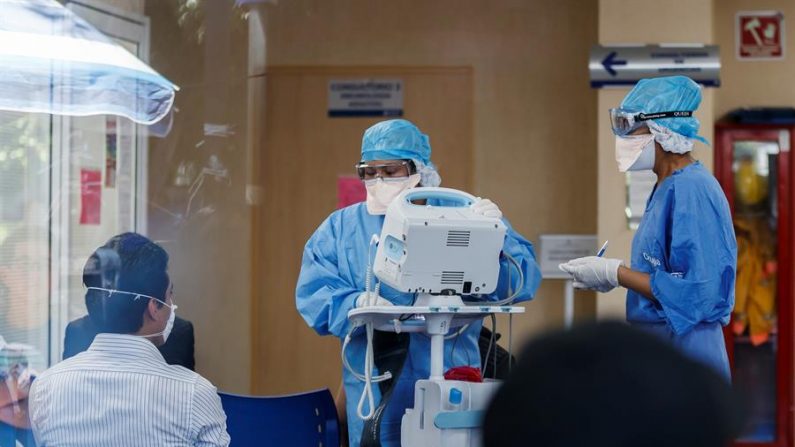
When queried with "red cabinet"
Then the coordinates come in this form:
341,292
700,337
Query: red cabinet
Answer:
754,166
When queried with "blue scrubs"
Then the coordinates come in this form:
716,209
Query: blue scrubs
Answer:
686,243
332,277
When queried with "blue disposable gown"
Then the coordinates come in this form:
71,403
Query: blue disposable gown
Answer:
686,243
332,277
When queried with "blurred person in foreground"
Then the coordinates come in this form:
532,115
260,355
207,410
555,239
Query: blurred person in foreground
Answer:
611,385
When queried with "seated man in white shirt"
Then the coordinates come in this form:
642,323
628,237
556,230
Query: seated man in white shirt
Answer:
121,391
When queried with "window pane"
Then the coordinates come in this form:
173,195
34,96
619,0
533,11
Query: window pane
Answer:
100,186
24,234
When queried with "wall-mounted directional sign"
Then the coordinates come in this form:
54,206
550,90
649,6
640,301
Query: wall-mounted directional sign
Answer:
626,65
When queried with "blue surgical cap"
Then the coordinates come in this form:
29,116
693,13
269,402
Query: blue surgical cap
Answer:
667,94
395,139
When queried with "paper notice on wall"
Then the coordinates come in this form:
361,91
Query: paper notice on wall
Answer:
350,190
111,151
125,175
555,249
90,196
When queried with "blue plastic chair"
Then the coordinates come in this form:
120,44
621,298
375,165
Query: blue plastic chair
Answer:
307,419
9,436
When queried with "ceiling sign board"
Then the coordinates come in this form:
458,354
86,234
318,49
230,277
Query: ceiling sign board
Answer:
759,35
625,65
365,97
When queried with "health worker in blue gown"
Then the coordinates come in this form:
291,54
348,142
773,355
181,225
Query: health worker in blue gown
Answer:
684,254
395,156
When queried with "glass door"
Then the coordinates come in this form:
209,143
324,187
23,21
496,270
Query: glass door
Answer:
754,322
753,166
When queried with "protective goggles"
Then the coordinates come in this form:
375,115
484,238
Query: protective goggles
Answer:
404,168
624,122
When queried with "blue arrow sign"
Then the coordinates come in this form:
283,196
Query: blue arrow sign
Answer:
625,64
610,61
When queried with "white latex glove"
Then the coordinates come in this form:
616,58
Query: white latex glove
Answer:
486,207
595,273
374,300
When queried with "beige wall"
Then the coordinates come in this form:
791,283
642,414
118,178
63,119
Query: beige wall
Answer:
538,129
627,21
753,83
533,130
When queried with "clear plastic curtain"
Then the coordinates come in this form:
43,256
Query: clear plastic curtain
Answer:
55,62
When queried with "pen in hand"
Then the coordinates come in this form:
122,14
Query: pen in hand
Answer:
602,250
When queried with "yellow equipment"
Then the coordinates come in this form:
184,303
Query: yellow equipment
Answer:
755,292
749,187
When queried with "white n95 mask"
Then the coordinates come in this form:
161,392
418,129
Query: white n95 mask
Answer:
382,191
169,324
635,152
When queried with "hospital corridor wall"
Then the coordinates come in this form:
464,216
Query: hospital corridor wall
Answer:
512,142
472,82
253,161
299,134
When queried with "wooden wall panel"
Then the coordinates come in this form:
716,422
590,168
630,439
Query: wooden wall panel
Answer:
303,152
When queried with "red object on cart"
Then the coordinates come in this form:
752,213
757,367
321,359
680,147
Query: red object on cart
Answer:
464,373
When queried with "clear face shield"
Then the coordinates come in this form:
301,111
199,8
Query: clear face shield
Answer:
16,375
